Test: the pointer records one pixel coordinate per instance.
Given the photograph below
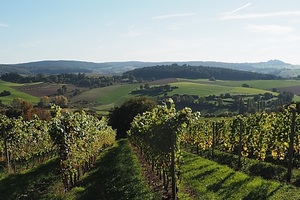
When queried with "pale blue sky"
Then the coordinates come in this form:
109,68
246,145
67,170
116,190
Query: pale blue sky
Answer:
149,30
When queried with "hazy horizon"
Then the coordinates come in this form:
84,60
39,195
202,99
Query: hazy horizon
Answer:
167,61
149,31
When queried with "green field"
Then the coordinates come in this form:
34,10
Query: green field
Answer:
107,97
202,89
15,94
259,84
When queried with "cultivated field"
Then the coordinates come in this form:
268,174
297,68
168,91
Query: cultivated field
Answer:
105,98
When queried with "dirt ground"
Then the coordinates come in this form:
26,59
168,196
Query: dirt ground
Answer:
45,89
163,81
294,89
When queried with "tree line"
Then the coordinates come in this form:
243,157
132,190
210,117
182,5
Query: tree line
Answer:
192,72
80,79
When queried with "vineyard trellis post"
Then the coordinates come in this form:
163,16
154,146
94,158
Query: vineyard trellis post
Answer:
291,147
7,156
173,177
213,139
240,145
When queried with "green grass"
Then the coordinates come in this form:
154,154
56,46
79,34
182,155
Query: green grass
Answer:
118,95
117,175
15,94
202,89
198,89
10,84
32,184
108,95
259,84
204,179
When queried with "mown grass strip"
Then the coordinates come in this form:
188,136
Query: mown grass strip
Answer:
205,179
117,175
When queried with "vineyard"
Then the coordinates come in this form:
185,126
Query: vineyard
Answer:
77,138
160,133
161,136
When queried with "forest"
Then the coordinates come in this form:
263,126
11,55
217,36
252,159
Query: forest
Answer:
196,72
80,79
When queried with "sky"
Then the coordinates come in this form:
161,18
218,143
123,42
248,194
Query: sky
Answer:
149,30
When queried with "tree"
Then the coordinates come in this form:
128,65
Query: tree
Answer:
167,87
62,90
241,105
44,102
147,86
202,100
251,107
5,93
61,101
220,101
43,113
19,107
212,79
268,96
131,78
121,117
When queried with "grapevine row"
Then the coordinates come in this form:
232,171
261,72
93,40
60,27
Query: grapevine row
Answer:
156,134
260,136
23,141
80,138
76,137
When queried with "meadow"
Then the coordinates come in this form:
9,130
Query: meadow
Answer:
107,97
104,98
259,84
15,93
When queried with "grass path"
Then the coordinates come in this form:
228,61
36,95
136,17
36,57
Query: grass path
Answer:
116,176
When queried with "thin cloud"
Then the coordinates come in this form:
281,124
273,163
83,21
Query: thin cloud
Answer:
238,9
173,16
262,15
269,29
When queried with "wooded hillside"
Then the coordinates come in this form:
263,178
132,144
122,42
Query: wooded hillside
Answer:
196,72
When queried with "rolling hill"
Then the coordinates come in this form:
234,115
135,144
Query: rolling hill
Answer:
274,67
